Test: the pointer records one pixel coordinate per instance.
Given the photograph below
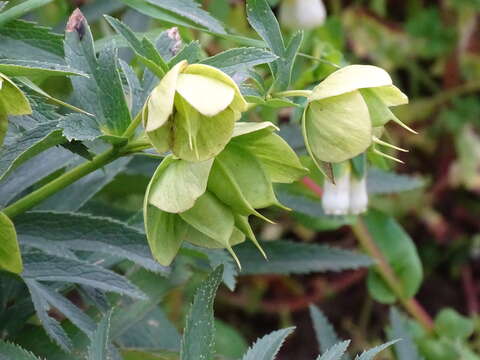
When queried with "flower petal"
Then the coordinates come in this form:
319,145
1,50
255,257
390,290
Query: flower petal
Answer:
208,96
350,78
160,104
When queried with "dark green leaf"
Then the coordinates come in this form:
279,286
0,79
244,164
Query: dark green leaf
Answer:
43,267
31,143
81,232
10,351
263,20
286,257
199,337
268,346
32,68
240,59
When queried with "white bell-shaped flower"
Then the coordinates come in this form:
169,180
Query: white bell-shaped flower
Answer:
336,197
302,14
358,195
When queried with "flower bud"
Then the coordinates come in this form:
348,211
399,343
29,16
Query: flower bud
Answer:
192,111
302,14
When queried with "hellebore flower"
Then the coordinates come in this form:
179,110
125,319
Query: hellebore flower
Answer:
345,110
302,14
12,102
192,111
348,195
207,203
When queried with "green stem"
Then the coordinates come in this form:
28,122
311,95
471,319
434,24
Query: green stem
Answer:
68,178
292,93
387,274
133,125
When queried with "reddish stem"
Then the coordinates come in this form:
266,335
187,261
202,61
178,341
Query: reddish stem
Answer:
470,289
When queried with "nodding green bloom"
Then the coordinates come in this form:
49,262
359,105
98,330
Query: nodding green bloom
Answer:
12,102
302,14
348,195
344,110
207,203
192,111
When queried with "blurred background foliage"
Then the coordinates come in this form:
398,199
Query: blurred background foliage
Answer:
432,50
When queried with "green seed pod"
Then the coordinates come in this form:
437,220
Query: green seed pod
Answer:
193,111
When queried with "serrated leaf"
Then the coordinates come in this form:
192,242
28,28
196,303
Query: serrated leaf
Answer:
42,267
268,346
370,354
62,304
10,258
21,9
82,232
400,252
406,349
52,327
240,59
383,182
284,66
100,341
32,68
262,19
143,48
326,336
10,351
190,52
102,93
336,352
26,40
218,257
32,142
199,336
286,257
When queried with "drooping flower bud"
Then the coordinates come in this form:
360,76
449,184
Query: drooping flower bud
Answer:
192,111
344,109
302,14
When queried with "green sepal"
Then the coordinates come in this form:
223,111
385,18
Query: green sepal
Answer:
177,184
380,114
12,99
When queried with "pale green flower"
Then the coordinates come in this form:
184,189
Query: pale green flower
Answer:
192,111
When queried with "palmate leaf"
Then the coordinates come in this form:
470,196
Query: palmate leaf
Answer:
9,351
199,335
268,346
286,257
82,232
